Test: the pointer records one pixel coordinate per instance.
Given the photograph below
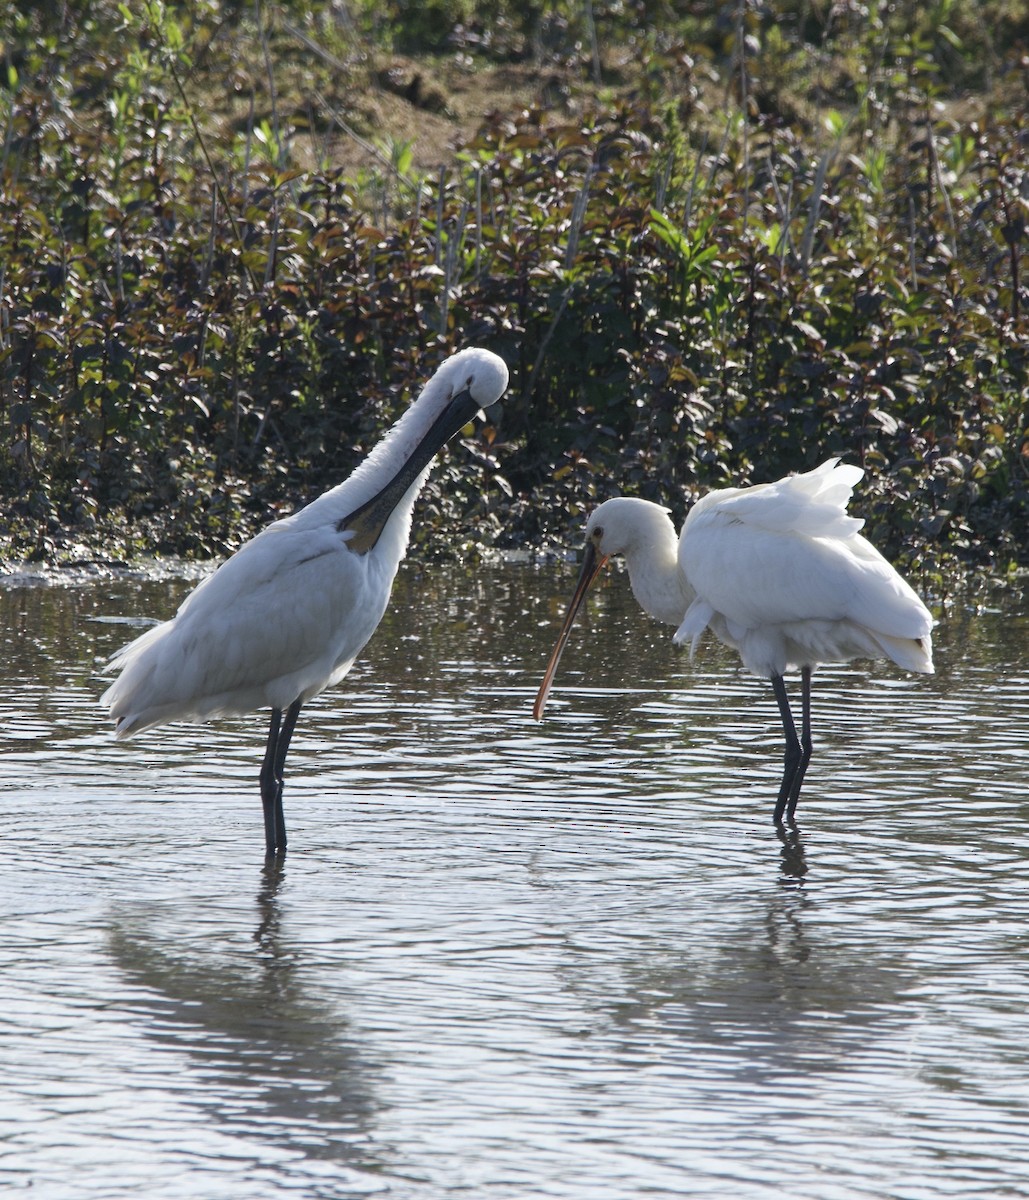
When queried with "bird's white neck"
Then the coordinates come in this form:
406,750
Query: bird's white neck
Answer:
389,455
653,563
382,464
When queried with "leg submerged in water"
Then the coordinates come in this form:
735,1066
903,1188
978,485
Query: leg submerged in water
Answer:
280,731
798,749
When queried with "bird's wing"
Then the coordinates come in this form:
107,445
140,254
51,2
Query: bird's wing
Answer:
289,606
284,603
756,575
814,503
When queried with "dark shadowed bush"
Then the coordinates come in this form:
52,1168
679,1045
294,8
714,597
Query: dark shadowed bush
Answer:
191,345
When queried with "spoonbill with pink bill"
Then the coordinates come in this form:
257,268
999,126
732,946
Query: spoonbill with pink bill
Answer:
778,572
285,616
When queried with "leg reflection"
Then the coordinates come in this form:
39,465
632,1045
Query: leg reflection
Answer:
793,862
268,929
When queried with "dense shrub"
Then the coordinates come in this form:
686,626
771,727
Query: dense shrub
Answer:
191,343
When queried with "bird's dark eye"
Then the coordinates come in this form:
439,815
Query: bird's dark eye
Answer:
471,380
598,533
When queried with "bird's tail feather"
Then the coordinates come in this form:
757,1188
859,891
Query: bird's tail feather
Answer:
913,654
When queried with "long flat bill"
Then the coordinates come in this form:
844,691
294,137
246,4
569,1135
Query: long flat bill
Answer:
592,565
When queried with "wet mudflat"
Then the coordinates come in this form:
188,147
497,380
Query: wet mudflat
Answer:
505,959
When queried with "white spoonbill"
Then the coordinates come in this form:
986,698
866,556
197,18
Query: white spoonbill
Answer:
285,616
778,572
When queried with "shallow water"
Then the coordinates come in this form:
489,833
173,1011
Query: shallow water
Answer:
506,959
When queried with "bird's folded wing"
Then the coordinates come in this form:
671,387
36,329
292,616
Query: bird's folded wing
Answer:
814,503
286,614
754,576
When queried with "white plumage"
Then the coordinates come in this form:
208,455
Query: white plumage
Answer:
779,572
285,616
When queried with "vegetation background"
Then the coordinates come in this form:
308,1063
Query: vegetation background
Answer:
715,242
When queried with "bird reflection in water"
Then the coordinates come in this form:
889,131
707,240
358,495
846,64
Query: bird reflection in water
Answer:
267,935
274,1063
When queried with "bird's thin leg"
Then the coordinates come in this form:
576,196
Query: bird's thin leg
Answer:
288,725
794,753
279,733
806,744
281,746
271,786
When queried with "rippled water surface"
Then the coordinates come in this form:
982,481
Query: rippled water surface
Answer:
509,960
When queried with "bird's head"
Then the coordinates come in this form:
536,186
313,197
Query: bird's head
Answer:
468,381
477,377
624,526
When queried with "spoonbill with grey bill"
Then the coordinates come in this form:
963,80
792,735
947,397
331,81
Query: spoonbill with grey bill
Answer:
286,616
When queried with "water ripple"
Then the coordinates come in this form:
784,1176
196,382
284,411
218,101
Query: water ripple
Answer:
508,959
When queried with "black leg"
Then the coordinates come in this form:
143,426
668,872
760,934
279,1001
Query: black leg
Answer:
806,743
794,752
288,725
279,733
271,797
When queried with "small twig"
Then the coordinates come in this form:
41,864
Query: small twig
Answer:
575,226
591,30
272,91
913,241
439,215
937,173
210,166
478,222
1012,232
661,185
785,217
248,148
807,245
325,55
450,265
365,145
550,332
273,249
741,50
